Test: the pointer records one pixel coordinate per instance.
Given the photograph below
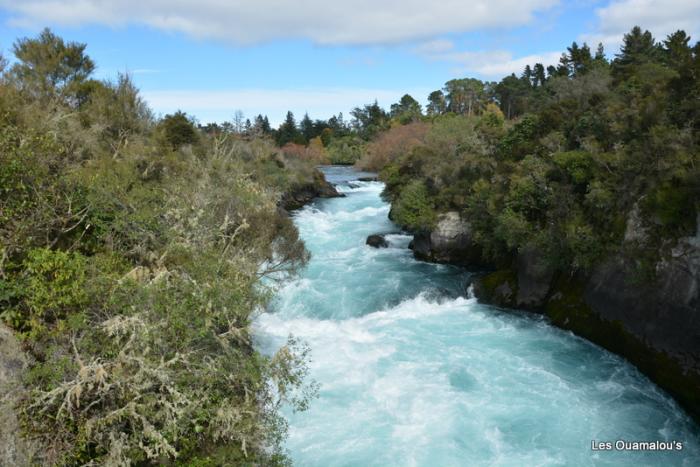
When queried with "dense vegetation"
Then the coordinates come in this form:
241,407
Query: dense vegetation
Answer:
562,160
134,253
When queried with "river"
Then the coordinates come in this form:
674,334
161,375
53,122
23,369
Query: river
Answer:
414,372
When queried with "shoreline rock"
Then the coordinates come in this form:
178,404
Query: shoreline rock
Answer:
300,196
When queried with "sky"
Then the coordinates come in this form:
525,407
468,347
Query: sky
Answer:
211,58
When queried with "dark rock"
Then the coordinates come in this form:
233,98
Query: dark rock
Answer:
421,246
497,288
377,241
664,313
534,278
373,178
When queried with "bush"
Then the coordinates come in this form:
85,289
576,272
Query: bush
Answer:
413,209
178,130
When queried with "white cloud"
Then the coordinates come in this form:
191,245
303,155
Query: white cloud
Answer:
318,102
254,21
659,17
437,46
506,64
493,64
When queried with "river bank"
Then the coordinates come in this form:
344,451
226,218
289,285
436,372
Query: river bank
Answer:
412,371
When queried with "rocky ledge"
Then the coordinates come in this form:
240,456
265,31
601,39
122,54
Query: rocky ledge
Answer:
300,195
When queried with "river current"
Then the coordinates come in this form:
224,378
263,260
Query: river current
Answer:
414,372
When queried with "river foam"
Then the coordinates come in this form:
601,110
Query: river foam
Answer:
412,372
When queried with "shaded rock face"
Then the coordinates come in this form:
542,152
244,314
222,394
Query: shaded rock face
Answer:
655,325
666,313
14,450
497,288
377,241
450,242
534,279
299,196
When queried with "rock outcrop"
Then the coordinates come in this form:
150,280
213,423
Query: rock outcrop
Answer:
450,242
301,195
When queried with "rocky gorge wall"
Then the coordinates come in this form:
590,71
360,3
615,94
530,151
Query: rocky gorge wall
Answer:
654,323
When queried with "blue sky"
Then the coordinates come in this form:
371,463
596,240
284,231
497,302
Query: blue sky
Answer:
213,57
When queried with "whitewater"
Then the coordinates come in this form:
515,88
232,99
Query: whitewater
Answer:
413,371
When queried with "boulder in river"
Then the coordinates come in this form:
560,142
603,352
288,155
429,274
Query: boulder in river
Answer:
377,241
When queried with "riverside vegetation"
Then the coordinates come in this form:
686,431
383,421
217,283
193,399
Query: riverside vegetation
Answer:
134,252
577,186
135,249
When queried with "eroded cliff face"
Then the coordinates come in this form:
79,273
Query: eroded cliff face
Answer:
653,323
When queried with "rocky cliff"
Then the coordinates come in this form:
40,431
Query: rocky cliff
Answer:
654,323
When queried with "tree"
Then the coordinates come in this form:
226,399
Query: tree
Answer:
599,58
238,121
369,120
512,94
406,110
677,52
288,131
47,67
528,76
577,61
539,76
307,128
637,49
178,129
437,105
262,125
465,96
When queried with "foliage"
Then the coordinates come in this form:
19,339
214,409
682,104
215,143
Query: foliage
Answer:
178,129
133,260
413,208
559,160
346,150
392,144
49,67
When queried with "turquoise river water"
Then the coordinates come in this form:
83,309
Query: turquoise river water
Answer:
414,372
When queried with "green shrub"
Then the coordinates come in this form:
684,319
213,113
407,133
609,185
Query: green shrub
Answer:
413,208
